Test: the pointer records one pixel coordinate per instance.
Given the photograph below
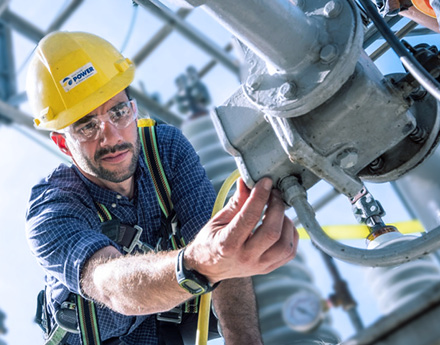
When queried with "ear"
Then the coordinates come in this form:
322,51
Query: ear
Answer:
135,108
60,140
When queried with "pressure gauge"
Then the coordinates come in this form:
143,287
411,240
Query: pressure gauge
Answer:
303,311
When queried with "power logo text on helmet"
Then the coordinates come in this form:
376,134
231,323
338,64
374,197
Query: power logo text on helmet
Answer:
77,77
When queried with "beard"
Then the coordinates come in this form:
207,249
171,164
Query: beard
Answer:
118,175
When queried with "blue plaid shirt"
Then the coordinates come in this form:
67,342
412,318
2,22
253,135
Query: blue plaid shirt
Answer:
63,227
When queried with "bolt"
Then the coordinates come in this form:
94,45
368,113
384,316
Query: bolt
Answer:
254,82
418,135
347,159
373,208
287,90
376,165
333,8
328,53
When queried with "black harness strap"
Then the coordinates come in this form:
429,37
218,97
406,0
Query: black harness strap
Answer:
88,322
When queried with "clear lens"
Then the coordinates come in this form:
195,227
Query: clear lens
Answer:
89,127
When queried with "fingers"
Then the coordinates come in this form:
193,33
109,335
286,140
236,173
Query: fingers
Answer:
270,231
275,241
284,249
248,216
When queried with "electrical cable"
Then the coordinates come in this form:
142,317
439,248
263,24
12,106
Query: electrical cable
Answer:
131,27
409,61
205,300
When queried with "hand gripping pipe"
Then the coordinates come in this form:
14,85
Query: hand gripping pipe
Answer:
397,253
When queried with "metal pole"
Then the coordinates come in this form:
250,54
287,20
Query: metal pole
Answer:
8,85
23,26
158,38
15,115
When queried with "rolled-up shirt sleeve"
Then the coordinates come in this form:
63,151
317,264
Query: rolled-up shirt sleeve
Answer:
62,233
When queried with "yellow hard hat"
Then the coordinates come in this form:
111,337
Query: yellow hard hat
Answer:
424,6
71,74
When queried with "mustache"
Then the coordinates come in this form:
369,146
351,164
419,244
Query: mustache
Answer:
116,148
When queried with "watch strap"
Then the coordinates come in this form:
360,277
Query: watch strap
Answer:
191,280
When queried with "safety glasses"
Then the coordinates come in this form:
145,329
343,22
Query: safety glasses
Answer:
89,128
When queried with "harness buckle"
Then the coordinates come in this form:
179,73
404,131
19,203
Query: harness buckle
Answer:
66,317
136,242
174,315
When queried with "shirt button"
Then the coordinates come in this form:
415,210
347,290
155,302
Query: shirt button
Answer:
113,205
119,197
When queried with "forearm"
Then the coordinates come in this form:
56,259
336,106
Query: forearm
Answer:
134,284
234,302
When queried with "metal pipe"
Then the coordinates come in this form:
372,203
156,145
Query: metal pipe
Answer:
190,33
324,200
273,34
295,195
158,38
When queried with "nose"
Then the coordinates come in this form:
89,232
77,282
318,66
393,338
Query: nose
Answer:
109,134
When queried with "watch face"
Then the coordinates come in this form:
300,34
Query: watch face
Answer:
192,286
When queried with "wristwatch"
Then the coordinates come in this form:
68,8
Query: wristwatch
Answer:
191,280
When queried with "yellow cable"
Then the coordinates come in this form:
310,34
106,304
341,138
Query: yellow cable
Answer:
205,300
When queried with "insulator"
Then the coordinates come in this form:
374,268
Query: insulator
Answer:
218,164
273,290
395,286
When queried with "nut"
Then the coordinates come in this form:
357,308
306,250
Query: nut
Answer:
333,8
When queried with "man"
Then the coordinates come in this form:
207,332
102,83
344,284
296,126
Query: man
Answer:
77,88
422,12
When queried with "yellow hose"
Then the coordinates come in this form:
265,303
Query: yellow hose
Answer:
205,300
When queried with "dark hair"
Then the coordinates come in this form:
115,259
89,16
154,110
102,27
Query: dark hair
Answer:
127,91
